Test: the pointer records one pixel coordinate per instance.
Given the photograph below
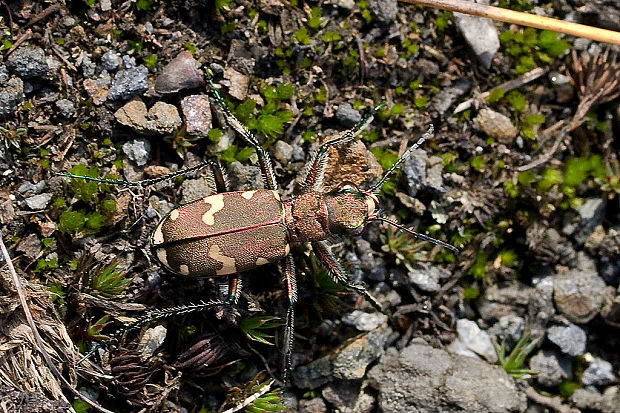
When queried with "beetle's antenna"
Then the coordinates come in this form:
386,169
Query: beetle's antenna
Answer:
406,155
414,233
152,316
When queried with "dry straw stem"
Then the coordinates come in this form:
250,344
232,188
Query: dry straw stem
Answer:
524,19
21,345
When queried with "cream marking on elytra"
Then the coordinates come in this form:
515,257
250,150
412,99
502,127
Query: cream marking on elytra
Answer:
276,195
161,256
248,194
217,204
287,249
228,263
184,269
158,236
370,204
261,261
174,214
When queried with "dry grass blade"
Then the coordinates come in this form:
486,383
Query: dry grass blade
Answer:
26,360
599,73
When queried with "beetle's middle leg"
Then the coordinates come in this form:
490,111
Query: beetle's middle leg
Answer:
327,257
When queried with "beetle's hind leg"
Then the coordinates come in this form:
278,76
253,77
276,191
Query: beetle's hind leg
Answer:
264,160
327,257
287,266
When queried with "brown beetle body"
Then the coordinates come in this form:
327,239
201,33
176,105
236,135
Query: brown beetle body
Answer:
233,232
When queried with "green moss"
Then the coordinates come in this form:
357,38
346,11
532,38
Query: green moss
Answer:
72,221
495,95
478,268
478,163
315,18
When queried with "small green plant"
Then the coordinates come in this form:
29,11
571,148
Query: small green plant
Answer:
530,47
442,21
144,5
406,249
107,281
257,328
12,135
512,364
314,22
150,61
256,397
222,6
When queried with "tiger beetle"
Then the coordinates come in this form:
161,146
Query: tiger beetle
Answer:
231,232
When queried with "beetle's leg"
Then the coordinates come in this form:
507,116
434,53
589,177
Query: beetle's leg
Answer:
217,172
288,272
266,166
234,289
313,178
338,273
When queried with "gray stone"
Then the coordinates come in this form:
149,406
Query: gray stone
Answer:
496,125
138,151
364,321
196,188
197,112
181,73
584,399
66,108
244,177
150,341
564,92
480,34
348,362
427,277
316,405
4,74
348,397
441,102
163,118
128,82
552,368
508,330
238,83
11,95
610,402
283,152
571,339
590,215
414,169
28,62
579,293
540,308
502,299
38,202
384,10
347,116
133,114
598,373
111,60
475,339
424,379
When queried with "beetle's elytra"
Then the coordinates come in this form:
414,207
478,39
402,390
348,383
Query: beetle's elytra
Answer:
231,232
222,234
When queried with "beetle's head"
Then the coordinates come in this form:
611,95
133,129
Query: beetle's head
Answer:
349,208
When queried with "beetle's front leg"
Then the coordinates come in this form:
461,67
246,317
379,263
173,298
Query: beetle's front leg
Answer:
327,257
313,175
287,265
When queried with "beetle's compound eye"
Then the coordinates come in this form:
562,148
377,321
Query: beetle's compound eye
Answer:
348,187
